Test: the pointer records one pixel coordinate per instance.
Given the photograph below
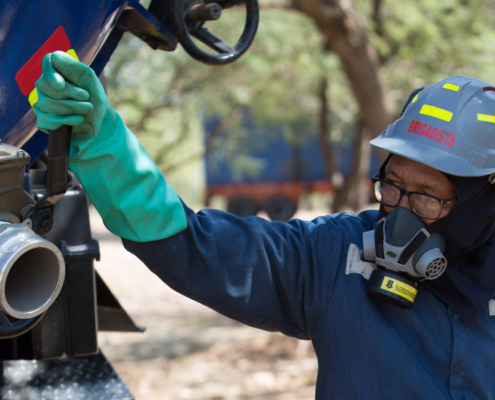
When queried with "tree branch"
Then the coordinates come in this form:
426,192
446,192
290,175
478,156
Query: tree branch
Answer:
280,5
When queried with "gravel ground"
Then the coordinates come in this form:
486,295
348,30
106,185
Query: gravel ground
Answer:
189,351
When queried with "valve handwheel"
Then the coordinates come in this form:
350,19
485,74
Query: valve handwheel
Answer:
189,16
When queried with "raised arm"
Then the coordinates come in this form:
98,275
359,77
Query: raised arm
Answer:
274,276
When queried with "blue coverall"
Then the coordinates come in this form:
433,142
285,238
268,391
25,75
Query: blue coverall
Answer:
306,280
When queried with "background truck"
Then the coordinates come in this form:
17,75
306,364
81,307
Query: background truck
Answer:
52,301
287,169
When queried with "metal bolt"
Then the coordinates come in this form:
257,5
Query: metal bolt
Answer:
21,154
45,223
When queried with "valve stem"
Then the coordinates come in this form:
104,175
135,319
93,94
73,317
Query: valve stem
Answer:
204,12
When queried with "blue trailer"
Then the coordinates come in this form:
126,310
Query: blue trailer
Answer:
288,168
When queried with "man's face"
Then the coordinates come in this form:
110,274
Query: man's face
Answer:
416,177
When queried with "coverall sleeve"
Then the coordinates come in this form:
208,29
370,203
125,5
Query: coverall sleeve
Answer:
271,275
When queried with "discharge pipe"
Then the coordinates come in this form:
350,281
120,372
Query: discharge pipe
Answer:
32,271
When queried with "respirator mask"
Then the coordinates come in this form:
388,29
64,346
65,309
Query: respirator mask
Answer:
405,253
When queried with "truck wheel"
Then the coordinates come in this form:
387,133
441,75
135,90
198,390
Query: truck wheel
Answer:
280,208
242,207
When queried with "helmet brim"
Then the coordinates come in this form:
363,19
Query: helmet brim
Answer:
441,161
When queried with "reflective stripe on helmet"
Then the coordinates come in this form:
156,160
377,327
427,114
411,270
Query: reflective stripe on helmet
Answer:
486,118
450,86
436,112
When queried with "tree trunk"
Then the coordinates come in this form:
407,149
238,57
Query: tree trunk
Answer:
355,193
338,23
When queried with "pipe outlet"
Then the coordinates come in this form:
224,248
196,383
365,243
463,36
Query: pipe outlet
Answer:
32,271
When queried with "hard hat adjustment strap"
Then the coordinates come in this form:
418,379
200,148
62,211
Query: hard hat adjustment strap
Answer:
411,97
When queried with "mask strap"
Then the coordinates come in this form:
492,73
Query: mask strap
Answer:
411,97
379,236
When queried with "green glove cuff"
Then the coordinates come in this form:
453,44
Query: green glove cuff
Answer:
124,184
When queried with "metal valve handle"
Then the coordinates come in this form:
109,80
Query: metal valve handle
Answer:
57,172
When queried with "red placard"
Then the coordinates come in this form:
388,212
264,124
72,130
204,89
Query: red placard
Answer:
31,71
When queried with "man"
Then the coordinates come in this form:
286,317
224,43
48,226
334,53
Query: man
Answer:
413,331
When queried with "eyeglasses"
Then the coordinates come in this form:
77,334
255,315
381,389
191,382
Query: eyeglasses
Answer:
423,205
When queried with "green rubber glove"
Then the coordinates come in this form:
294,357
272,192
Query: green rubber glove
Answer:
124,184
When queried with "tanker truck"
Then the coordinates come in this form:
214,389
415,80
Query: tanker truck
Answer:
52,301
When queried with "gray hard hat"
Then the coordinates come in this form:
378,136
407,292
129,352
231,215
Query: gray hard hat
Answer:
449,126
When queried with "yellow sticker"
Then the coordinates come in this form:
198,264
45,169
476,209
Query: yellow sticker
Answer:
451,86
436,112
415,98
399,288
73,54
33,97
486,118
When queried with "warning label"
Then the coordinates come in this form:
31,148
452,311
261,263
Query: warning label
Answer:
399,288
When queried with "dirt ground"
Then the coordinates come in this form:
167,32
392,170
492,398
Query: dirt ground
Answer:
189,351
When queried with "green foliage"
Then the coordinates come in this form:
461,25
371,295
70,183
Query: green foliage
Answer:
166,97
433,40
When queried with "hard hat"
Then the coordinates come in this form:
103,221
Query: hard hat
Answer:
449,126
